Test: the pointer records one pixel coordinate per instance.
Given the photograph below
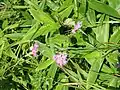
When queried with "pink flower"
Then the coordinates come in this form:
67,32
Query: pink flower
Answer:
34,49
61,59
77,26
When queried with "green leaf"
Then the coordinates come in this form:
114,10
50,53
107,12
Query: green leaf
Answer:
59,40
1,50
63,79
32,4
52,70
27,16
41,16
96,61
52,5
102,31
5,24
113,57
94,70
44,30
15,36
65,13
44,65
11,26
114,4
31,32
106,69
59,87
74,77
10,53
113,82
80,70
42,4
65,4
115,37
103,8
46,51
20,7
51,74
1,33
82,8
91,16
91,56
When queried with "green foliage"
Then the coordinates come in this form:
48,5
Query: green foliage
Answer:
103,8
93,51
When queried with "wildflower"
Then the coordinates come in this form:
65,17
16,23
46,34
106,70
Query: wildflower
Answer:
61,59
34,49
77,26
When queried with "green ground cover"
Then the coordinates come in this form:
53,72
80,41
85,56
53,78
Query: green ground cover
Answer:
59,44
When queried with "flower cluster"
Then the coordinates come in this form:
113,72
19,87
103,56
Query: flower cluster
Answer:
34,49
61,59
77,26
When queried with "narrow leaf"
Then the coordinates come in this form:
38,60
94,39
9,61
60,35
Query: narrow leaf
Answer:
44,65
41,16
103,8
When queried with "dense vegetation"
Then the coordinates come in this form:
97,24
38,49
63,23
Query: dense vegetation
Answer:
59,44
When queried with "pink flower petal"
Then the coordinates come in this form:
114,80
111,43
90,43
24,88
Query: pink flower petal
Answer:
77,26
61,59
34,49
